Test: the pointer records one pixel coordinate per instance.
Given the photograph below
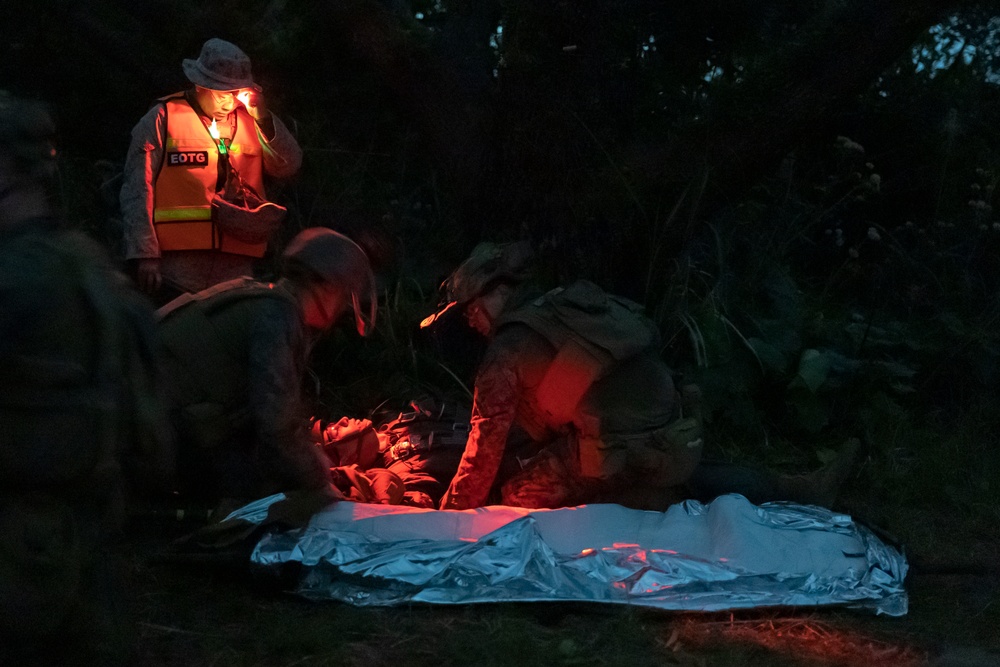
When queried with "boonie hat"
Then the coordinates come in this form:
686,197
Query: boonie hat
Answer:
488,263
339,261
221,65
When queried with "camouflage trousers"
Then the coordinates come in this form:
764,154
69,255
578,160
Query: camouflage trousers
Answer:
644,471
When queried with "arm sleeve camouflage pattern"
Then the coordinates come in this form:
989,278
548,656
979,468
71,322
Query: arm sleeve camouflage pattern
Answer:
278,355
494,408
142,166
282,154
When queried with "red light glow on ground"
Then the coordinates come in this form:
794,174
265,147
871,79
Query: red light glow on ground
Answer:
809,641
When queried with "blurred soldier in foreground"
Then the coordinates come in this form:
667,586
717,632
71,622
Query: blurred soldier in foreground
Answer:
235,356
194,209
578,370
78,403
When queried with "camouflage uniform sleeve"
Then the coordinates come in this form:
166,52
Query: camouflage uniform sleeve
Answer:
277,365
282,154
494,408
142,166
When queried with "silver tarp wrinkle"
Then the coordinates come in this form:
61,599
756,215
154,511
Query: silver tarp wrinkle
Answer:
727,554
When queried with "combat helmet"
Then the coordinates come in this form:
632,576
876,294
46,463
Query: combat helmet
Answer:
339,261
26,134
489,264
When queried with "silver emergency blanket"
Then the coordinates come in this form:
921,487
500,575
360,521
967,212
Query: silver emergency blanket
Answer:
728,554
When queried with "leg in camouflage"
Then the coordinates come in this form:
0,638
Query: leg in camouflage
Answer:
545,482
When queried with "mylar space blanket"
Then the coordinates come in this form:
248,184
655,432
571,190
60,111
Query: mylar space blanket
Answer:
728,554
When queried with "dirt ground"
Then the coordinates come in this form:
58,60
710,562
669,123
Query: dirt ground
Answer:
217,613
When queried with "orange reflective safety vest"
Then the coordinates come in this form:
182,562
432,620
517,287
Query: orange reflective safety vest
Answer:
191,174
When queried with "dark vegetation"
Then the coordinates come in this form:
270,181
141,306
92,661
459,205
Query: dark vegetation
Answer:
800,192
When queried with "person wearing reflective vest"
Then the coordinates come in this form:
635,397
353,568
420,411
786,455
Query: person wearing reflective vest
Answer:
189,178
175,166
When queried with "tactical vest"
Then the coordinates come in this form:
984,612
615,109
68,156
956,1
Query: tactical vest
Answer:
191,174
592,332
206,372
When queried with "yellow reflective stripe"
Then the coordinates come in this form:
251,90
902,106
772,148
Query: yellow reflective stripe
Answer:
183,214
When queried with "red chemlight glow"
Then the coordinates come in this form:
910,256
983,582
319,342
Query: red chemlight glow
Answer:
803,638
